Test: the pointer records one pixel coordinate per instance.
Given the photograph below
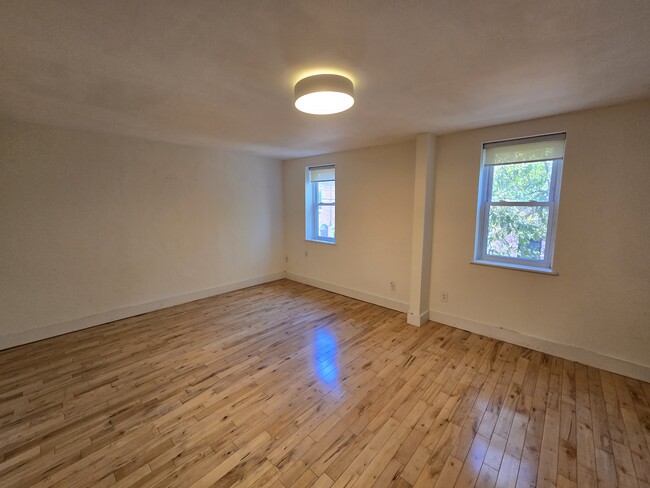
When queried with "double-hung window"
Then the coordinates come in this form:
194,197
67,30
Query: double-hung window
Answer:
320,200
519,193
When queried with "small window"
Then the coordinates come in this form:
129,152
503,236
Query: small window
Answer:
320,199
519,193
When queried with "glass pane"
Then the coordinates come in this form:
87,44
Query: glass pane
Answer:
523,182
326,221
325,192
517,232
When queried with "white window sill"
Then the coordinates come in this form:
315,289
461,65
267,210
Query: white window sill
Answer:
331,243
518,267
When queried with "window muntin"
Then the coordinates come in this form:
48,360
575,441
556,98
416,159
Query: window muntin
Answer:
321,204
518,201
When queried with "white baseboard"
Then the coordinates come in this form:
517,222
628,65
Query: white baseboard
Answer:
572,353
37,334
413,318
349,292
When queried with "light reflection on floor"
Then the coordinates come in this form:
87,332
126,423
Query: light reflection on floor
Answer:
325,357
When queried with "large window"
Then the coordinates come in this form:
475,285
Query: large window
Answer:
518,201
320,197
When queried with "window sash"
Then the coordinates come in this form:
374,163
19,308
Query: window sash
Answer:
531,203
489,178
316,193
315,231
517,260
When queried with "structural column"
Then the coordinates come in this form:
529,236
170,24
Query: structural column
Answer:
423,188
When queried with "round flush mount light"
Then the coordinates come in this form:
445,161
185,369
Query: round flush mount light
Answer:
324,94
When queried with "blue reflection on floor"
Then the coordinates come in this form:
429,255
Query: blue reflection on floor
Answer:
325,352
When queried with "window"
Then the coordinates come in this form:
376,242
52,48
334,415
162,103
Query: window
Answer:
320,198
518,200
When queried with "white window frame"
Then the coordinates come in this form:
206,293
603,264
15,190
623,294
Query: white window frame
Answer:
481,255
312,205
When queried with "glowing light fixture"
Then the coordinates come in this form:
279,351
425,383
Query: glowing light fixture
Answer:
324,94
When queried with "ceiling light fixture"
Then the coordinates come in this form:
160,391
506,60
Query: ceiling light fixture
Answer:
324,94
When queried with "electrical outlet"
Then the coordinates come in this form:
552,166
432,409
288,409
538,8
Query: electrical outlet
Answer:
444,296
393,285
306,255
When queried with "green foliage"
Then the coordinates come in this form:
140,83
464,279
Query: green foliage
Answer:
522,182
519,231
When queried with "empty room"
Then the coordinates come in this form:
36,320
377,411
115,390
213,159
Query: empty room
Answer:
301,243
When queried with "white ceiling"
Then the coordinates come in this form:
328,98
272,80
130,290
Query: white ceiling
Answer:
222,71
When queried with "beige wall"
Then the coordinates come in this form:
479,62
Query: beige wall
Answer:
96,223
374,212
92,223
600,301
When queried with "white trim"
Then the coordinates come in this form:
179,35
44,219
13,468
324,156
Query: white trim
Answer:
572,353
349,292
312,232
412,318
330,243
485,203
517,267
40,333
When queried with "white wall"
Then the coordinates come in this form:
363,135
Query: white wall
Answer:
96,227
374,212
600,301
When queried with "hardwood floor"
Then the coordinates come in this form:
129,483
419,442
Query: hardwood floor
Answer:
284,385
